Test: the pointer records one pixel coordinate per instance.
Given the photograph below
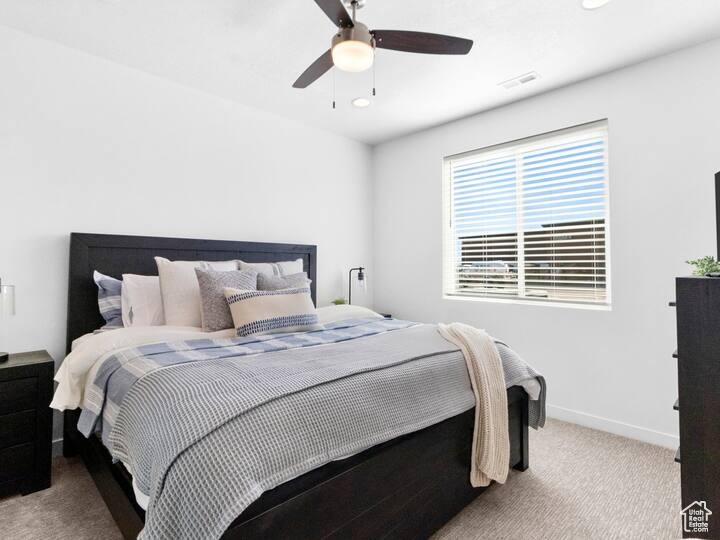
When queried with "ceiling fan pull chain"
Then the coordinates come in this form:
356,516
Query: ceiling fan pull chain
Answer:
333,88
373,68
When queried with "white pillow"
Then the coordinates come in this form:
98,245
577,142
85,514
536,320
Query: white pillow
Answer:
282,268
141,301
269,312
330,314
180,289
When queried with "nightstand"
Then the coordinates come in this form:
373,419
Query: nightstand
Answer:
26,383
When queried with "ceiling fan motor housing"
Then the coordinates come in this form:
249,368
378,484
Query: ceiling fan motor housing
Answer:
359,32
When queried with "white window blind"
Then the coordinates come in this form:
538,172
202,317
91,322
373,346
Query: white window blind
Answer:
529,219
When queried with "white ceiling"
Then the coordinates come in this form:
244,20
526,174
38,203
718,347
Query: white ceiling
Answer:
251,51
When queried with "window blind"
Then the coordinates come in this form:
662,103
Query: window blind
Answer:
529,219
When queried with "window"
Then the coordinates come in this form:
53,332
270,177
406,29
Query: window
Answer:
528,220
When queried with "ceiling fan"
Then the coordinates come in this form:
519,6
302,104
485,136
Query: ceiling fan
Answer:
353,47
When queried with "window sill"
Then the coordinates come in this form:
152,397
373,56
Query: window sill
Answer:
543,303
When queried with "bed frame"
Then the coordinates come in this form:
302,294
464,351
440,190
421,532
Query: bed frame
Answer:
405,488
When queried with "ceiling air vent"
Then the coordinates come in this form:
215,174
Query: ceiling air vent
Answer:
520,79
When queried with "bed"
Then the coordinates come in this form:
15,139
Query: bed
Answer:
407,487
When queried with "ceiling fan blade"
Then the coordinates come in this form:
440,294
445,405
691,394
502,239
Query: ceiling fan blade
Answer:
316,70
421,42
336,12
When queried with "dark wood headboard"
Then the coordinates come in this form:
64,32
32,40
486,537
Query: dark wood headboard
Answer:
114,255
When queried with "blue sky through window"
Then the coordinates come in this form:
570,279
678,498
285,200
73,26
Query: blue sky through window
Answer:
564,184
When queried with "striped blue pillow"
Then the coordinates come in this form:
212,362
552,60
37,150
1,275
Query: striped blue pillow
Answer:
109,302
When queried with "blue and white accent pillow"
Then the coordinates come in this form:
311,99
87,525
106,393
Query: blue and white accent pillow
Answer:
270,312
214,311
109,299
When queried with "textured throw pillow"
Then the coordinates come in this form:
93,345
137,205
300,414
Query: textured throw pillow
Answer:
109,301
269,312
180,290
282,268
141,301
273,283
214,309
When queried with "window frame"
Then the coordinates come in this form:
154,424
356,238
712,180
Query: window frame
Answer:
523,144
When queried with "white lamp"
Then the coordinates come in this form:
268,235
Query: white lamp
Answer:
7,308
353,55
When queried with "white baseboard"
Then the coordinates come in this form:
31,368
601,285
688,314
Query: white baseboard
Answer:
613,426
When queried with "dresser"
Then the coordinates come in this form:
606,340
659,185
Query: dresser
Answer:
26,384
697,302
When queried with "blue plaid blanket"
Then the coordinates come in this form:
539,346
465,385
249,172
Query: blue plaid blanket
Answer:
120,371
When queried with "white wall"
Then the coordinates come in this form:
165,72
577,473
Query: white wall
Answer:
612,370
90,146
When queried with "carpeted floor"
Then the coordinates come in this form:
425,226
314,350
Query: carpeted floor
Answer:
582,484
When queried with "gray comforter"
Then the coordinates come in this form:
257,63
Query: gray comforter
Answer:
206,437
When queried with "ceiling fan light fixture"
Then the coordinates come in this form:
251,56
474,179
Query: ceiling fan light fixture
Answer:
353,56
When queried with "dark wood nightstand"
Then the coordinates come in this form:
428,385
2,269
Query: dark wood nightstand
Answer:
26,383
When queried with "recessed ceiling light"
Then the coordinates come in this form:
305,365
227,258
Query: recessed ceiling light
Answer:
361,102
594,4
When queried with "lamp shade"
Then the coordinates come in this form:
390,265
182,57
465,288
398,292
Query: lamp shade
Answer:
7,300
362,280
353,55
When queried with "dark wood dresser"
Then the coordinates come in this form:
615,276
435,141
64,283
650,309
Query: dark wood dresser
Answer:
698,359
26,383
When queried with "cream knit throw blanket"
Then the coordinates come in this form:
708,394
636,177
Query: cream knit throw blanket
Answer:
491,443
